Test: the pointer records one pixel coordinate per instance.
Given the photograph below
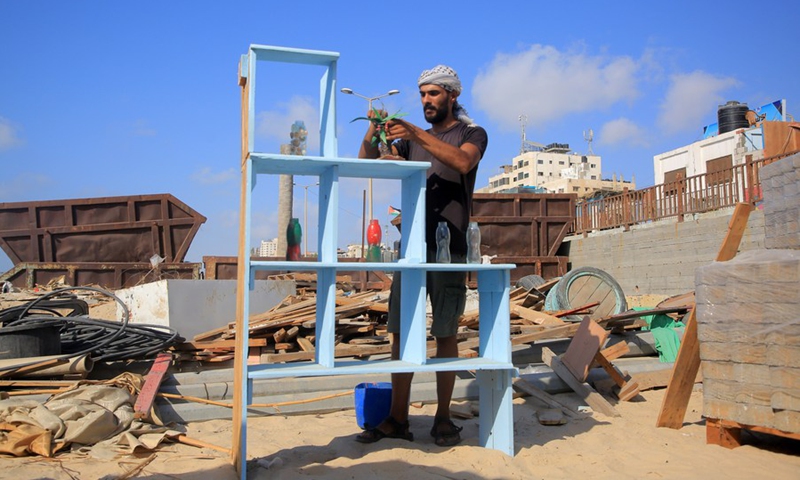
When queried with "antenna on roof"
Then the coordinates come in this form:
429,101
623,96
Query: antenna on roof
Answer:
523,120
589,137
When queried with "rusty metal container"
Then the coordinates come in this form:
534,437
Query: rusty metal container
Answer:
226,268
109,229
526,229
111,275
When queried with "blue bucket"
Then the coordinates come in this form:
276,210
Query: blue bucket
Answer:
373,401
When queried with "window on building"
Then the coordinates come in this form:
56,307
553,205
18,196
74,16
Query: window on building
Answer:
718,170
527,175
561,162
526,163
541,174
671,180
594,177
540,162
575,189
593,165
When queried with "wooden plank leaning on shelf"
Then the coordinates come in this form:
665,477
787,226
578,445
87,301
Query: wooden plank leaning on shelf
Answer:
687,363
242,289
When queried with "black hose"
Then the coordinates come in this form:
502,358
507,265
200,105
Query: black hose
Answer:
104,340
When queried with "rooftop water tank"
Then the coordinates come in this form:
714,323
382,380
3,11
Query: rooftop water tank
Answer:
731,116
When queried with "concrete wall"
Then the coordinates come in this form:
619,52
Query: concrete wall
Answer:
661,257
780,182
197,306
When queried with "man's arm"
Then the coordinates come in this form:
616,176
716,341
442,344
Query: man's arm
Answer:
367,150
462,159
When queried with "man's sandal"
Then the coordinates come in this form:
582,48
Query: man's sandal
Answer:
399,430
448,436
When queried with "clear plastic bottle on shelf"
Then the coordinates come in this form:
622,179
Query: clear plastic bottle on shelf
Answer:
473,243
442,243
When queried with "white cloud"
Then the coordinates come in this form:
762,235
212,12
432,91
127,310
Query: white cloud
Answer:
689,98
205,176
9,135
546,84
24,186
623,131
276,124
141,128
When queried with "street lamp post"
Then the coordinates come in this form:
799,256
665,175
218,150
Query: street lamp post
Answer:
305,214
369,100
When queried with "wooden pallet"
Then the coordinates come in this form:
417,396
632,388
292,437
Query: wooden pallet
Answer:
727,433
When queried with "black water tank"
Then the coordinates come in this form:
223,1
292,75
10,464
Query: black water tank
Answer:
731,116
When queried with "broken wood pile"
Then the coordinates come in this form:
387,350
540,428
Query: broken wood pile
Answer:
286,332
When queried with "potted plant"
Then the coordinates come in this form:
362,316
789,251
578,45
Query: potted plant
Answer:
379,119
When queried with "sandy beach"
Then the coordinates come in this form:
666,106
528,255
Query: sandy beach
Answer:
322,446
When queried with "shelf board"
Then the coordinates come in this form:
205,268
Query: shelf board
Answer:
362,367
382,267
277,164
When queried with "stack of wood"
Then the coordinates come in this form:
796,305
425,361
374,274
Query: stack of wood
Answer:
286,333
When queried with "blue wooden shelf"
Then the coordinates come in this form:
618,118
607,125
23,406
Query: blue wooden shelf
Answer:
358,367
492,367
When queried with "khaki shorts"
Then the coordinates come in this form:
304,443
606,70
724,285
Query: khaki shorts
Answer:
448,294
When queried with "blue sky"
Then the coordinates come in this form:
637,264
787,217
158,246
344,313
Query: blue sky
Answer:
103,99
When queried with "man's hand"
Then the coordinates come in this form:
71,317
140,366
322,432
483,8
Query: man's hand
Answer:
400,129
463,159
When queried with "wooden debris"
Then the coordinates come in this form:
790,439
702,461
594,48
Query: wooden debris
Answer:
286,332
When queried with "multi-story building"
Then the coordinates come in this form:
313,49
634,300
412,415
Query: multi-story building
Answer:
554,169
268,249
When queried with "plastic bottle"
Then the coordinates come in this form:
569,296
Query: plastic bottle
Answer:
442,243
473,243
374,241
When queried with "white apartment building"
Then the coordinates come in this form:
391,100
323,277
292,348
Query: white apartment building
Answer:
541,166
268,249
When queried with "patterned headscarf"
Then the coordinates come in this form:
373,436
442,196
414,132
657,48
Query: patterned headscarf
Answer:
447,78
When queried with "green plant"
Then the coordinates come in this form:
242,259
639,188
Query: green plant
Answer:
379,119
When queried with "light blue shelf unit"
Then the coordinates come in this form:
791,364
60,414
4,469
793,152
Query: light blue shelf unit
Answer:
493,367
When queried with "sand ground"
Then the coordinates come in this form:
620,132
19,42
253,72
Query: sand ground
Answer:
322,446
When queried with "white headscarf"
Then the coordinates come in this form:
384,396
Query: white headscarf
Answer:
447,78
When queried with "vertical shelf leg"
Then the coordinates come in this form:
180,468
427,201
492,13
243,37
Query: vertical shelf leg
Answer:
412,247
496,424
328,215
496,407
412,316
493,309
326,316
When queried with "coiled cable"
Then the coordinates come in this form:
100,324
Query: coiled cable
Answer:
103,340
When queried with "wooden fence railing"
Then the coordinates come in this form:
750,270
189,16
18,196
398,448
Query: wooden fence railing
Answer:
696,194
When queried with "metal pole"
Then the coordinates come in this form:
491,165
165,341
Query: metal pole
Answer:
305,220
369,181
363,206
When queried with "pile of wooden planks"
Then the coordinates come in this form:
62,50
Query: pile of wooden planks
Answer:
285,333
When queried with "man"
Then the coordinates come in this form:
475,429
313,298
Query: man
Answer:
454,145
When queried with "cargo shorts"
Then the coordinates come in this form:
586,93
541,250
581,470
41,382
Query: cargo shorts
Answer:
448,296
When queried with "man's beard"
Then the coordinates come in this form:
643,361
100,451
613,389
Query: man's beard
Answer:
437,116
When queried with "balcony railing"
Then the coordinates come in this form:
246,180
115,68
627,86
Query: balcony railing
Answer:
696,194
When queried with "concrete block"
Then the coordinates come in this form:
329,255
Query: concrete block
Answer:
196,306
